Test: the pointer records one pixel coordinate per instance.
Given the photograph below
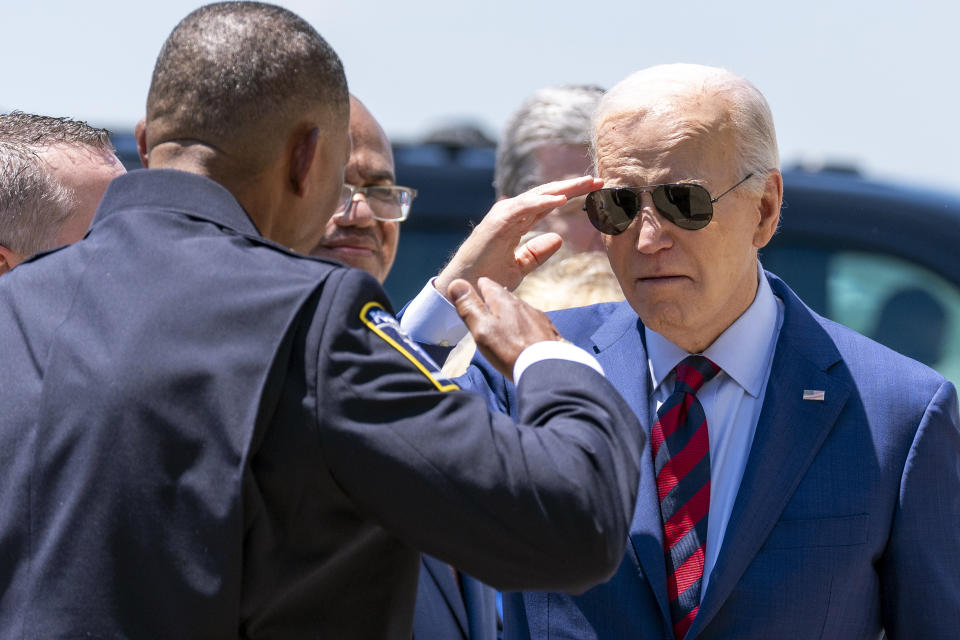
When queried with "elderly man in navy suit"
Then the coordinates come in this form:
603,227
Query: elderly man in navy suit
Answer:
800,480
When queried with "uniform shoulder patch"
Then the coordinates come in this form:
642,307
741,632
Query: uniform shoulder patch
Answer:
386,326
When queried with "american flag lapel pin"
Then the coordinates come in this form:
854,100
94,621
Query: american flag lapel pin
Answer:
815,395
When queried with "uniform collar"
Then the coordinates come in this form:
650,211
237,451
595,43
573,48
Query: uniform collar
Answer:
176,191
749,340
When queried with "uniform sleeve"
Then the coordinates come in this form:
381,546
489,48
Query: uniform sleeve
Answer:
544,504
920,570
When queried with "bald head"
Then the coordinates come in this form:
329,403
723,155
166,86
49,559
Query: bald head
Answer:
356,238
232,74
366,133
696,96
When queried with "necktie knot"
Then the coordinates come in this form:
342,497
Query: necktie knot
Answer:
692,373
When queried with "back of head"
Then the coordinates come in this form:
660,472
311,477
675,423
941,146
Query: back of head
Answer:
669,87
233,74
34,203
553,115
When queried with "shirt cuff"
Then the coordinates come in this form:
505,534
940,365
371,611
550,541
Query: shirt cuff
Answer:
432,319
552,350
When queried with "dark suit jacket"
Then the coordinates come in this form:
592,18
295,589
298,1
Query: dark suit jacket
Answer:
847,519
204,435
444,613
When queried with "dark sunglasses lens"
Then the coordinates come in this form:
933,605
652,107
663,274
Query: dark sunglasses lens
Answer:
612,210
686,205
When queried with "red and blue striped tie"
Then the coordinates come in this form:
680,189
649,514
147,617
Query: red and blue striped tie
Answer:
681,460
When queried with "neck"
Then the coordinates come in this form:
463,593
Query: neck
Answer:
251,187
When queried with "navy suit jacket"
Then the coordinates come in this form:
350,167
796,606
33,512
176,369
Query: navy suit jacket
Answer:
444,613
204,435
847,520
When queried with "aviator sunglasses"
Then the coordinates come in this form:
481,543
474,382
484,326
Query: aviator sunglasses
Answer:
685,204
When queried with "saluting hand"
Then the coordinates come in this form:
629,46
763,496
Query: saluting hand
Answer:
502,324
492,250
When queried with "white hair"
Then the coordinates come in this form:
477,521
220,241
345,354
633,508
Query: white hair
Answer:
648,89
552,115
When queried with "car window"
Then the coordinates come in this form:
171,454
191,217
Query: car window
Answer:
905,306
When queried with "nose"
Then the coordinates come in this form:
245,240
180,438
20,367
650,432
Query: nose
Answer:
357,213
596,241
653,231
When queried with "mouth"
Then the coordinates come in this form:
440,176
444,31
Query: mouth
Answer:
347,249
665,277
353,246
661,281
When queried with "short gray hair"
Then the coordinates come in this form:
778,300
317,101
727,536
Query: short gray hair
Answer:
39,132
33,203
749,113
553,115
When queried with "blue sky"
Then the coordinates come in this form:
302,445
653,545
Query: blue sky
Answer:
871,84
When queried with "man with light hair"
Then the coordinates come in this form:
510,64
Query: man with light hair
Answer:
800,479
545,140
548,139
53,172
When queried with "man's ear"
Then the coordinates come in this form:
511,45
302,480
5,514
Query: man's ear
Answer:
8,259
770,203
302,156
140,131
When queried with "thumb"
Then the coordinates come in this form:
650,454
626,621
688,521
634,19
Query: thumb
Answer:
536,251
469,305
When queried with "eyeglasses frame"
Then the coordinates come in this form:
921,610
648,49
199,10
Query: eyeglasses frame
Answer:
649,189
354,191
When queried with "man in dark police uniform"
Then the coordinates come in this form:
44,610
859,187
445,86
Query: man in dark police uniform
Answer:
206,434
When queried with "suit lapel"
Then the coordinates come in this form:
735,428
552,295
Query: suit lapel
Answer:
443,577
621,352
789,433
481,606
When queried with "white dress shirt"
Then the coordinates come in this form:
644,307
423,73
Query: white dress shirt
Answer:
732,400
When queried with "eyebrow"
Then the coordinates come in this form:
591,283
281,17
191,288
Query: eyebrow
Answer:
380,176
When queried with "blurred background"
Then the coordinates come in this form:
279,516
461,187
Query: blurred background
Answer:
865,84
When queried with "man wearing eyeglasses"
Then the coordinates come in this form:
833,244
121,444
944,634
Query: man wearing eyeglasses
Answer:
364,231
801,480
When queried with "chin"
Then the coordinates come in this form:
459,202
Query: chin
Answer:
664,318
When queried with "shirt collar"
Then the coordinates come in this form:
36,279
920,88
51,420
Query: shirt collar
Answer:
176,191
749,340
